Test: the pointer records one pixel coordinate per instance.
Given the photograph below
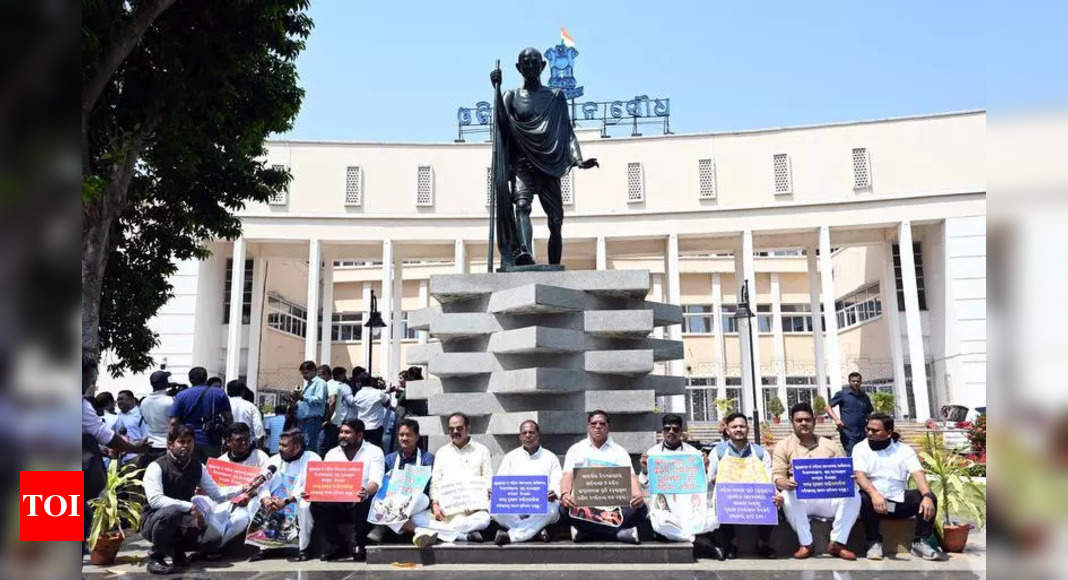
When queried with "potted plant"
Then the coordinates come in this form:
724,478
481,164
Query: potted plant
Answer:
883,402
767,438
819,407
118,505
958,494
725,405
775,409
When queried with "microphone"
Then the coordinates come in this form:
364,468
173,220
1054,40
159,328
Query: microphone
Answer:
254,484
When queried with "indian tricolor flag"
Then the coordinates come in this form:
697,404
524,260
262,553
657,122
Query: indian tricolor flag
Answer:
566,38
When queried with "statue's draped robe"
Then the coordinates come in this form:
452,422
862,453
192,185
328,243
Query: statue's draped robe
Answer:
547,140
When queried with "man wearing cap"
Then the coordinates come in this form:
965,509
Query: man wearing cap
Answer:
156,410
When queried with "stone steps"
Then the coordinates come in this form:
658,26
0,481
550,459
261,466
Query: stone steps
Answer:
534,552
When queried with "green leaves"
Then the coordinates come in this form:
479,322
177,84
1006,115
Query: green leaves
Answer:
957,493
120,502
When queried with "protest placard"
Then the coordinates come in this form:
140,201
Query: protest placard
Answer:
224,473
677,474
278,529
601,486
459,496
746,504
824,478
334,481
741,470
395,500
520,494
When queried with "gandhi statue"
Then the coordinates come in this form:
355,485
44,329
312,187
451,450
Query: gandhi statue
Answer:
534,146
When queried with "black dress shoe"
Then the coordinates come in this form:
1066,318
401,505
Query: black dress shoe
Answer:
475,538
159,566
359,555
333,555
766,551
179,560
731,552
543,535
302,556
502,538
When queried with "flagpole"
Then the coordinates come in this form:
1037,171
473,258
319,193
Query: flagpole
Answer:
493,177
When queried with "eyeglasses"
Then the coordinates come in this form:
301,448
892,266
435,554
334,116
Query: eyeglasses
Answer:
672,428
598,424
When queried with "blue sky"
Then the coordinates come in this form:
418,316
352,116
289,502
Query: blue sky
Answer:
397,71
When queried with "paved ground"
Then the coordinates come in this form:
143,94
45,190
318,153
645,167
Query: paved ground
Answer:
971,564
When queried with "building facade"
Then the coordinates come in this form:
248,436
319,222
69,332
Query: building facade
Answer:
877,227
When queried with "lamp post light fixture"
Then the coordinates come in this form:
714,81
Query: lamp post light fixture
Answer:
747,313
374,321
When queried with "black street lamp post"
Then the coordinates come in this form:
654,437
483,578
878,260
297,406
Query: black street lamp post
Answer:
374,321
745,312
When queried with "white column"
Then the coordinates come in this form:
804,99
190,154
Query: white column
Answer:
460,257
780,342
237,288
366,334
833,357
720,355
673,282
259,283
424,302
328,313
385,306
602,253
311,339
917,360
817,324
893,319
745,270
396,335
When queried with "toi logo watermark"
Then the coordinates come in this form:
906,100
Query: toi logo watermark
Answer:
51,506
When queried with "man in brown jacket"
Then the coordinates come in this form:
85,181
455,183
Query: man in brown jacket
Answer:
804,443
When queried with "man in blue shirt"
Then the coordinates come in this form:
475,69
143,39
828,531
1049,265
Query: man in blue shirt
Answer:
852,417
311,403
197,407
274,425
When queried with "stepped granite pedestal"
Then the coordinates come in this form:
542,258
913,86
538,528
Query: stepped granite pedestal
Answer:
547,346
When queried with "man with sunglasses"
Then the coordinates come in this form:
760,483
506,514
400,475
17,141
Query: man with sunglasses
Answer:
599,450
666,522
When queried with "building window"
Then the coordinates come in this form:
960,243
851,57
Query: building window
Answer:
796,318
764,317
859,306
353,186
567,188
424,191
861,169
706,178
407,332
285,316
346,326
698,319
784,182
800,389
279,197
246,292
730,323
635,183
489,186
701,396
917,256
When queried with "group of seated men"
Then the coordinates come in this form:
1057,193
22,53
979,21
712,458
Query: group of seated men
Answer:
175,521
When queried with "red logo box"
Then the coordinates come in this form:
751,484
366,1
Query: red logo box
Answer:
51,507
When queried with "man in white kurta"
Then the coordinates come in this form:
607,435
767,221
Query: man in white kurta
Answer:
235,519
460,460
351,448
675,526
292,468
530,459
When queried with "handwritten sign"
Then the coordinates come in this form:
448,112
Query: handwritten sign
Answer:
677,474
601,486
746,503
824,478
334,481
460,496
224,473
520,494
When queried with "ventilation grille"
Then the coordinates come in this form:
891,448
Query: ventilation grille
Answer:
706,176
783,179
353,186
424,195
635,183
279,197
861,170
567,188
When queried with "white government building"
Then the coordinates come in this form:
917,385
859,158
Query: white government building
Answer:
813,217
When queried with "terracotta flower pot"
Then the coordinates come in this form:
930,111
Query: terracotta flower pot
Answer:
777,420
821,419
107,547
955,537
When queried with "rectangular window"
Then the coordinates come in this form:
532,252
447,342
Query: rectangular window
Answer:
763,318
635,183
567,188
800,389
784,182
917,256
706,178
859,306
346,327
279,197
861,169
285,316
353,186
730,324
406,331
701,396
246,292
424,191
796,318
698,319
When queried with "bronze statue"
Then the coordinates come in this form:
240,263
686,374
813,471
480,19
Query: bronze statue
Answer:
534,145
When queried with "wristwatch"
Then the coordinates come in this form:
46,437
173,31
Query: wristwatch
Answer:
931,496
